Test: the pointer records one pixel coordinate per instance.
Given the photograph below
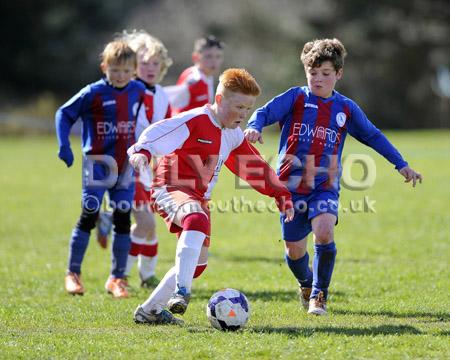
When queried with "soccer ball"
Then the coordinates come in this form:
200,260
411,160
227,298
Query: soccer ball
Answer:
228,309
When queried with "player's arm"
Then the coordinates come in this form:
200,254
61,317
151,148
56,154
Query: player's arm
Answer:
246,162
160,138
274,111
360,127
65,117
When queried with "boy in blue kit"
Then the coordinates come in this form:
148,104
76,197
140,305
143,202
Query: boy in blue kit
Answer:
314,121
109,111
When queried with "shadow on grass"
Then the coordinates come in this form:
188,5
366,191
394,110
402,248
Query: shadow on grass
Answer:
264,295
432,317
247,259
349,331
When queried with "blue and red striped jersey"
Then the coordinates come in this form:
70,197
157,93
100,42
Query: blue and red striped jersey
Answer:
108,115
313,132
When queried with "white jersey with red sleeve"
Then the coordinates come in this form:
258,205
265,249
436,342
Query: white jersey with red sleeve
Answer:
193,89
194,147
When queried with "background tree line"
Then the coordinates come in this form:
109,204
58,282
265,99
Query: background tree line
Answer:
397,68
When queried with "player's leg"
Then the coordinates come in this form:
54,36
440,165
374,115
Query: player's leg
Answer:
295,235
104,223
323,212
153,311
297,259
91,201
122,199
149,249
196,228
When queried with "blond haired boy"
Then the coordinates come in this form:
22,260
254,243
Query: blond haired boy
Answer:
153,62
108,110
194,145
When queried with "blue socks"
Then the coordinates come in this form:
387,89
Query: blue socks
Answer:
120,248
77,249
301,270
323,265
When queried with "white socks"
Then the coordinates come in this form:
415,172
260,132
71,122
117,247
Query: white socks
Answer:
161,295
186,258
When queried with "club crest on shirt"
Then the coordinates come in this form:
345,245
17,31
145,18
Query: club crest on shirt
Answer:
340,119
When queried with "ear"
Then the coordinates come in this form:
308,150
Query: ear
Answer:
218,99
103,68
195,57
340,73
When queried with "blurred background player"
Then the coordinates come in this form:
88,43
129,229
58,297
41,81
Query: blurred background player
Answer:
194,146
195,86
314,121
152,65
108,110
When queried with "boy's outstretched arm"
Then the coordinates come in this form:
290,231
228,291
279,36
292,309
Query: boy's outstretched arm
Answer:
275,110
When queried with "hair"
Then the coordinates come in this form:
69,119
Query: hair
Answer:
207,42
316,52
148,46
238,80
118,52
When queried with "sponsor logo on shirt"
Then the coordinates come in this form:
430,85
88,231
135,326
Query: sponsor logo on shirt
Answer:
109,102
201,97
309,105
204,141
318,132
123,127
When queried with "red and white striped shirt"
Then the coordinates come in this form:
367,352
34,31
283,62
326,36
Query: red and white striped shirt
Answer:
193,89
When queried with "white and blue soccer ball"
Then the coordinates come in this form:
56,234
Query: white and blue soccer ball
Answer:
228,309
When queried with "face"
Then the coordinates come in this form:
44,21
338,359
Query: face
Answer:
149,70
322,79
119,75
233,109
209,60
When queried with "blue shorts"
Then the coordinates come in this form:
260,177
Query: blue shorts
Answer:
308,207
97,179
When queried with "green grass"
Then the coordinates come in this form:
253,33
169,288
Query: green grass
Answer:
389,294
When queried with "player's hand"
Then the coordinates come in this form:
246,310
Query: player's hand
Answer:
138,161
410,175
65,154
253,136
289,215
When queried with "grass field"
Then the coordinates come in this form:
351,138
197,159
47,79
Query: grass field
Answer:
389,294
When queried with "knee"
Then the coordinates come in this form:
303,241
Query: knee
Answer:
295,249
199,270
323,235
122,221
87,221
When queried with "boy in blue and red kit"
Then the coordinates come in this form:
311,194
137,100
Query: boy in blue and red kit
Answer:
314,121
109,111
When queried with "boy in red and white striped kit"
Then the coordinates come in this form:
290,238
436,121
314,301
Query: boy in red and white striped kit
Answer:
194,146
195,86
152,64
